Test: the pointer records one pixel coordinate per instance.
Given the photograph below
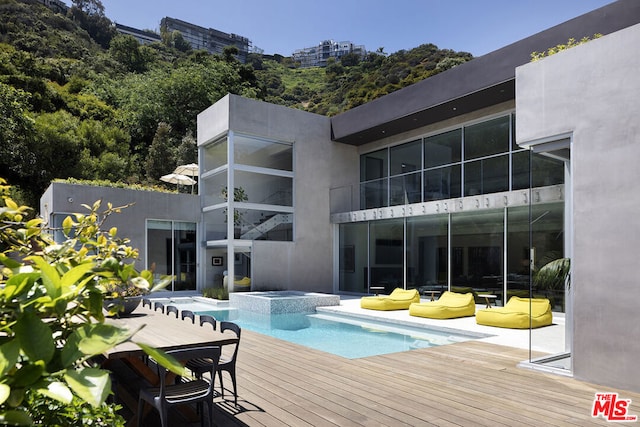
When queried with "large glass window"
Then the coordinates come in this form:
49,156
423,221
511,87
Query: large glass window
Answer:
489,175
214,155
487,138
353,257
373,165
442,183
264,189
406,158
262,153
443,149
427,252
171,250
490,162
477,252
386,250
405,189
373,194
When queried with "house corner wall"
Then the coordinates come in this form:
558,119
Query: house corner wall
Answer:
591,92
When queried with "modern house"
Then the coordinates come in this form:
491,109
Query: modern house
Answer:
142,36
471,179
318,56
209,39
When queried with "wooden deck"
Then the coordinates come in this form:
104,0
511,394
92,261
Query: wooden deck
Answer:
463,384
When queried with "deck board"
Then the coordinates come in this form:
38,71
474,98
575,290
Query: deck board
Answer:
462,384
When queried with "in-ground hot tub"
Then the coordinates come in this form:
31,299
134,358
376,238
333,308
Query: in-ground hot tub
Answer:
277,302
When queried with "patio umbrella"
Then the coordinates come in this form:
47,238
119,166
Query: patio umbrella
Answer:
189,170
177,179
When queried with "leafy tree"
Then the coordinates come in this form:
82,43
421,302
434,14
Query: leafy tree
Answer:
126,50
52,320
16,130
89,14
161,158
187,151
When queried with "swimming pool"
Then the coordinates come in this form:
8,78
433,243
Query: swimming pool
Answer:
338,334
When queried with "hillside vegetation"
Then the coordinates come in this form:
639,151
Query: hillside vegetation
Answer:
78,100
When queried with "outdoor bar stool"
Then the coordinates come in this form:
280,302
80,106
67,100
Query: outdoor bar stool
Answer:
205,318
158,305
172,309
188,314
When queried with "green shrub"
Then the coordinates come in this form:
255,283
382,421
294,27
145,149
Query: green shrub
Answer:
51,315
216,293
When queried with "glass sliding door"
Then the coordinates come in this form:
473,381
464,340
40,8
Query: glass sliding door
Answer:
171,251
477,247
386,254
353,257
427,253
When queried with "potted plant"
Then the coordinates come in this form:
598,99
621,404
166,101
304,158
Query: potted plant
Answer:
554,275
239,195
122,284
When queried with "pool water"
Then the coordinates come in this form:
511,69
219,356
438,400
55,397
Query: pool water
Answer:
349,338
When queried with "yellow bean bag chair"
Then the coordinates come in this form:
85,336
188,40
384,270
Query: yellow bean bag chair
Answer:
448,306
239,284
399,299
515,314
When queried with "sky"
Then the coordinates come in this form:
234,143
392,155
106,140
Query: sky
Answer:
282,26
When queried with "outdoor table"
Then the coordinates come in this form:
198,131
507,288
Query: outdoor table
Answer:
488,298
160,331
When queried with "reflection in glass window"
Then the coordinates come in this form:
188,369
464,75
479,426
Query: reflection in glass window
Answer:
490,175
353,257
373,194
427,252
405,189
262,153
406,158
171,250
477,251
264,189
214,155
387,254
373,165
442,183
443,149
487,138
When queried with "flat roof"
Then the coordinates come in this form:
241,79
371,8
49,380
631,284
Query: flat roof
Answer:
482,82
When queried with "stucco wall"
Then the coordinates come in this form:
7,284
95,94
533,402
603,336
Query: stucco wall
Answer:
131,223
319,165
592,92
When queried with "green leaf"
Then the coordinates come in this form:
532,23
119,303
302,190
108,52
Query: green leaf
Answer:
50,277
5,391
67,225
18,284
28,375
9,353
57,390
8,262
163,359
98,338
90,384
73,276
15,418
35,337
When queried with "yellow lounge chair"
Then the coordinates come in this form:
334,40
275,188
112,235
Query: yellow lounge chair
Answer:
448,306
399,299
515,314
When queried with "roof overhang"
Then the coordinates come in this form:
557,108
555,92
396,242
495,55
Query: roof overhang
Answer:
482,82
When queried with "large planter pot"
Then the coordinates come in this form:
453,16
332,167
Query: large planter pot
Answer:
127,305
